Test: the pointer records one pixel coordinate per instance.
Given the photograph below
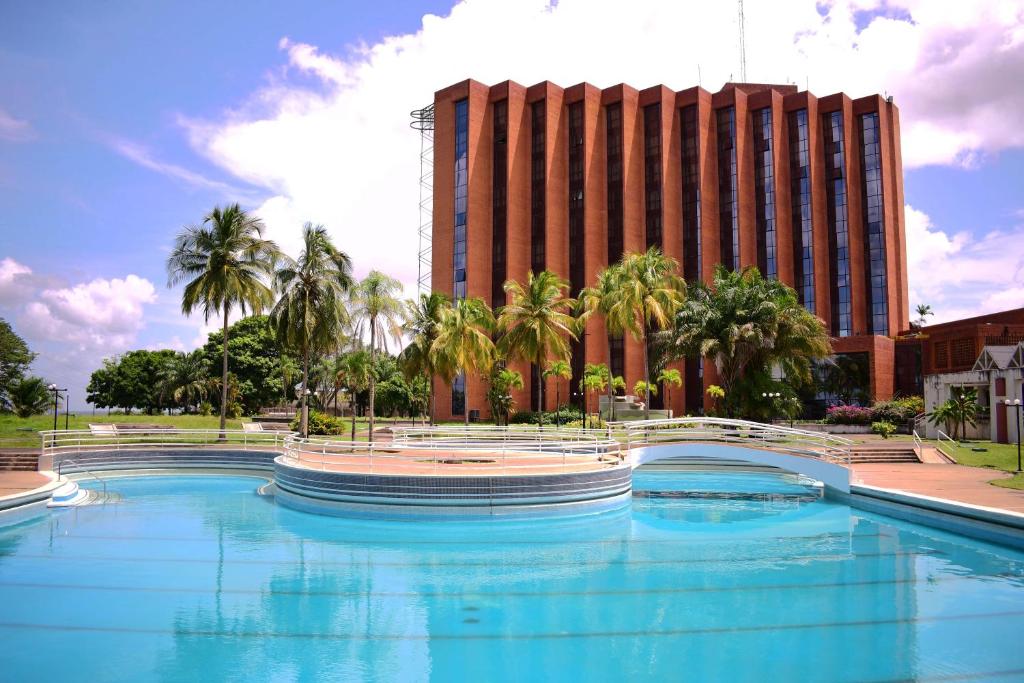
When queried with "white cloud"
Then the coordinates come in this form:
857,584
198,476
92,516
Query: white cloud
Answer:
144,157
14,280
340,151
101,314
960,275
13,129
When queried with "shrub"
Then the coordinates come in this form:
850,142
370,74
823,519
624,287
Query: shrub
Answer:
849,415
206,408
566,413
883,429
524,417
320,424
593,422
899,410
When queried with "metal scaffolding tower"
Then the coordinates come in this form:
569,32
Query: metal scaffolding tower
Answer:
423,121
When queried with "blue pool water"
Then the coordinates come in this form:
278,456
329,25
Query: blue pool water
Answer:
198,578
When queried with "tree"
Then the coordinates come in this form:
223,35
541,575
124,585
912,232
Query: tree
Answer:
185,379
645,390
355,376
256,359
224,262
463,343
377,307
15,358
596,377
310,314
601,299
102,388
750,325
669,377
422,324
648,295
923,311
537,323
959,411
499,393
29,396
560,369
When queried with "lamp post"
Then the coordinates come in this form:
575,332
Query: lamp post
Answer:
1015,404
56,401
771,397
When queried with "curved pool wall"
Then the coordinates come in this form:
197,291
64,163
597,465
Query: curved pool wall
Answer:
833,475
164,458
338,492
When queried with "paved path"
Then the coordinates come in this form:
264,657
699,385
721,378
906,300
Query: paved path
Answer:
952,482
18,482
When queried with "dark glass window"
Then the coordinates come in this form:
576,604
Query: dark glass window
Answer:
652,173
800,195
764,193
617,362
728,206
577,234
694,386
538,225
461,194
690,160
459,395
839,241
499,205
874,223
613,113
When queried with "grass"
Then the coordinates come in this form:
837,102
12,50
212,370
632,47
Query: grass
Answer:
997,456
18,432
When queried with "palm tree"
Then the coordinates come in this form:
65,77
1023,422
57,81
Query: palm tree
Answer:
595,379
463,343
499,394
923,311
959,411
355,375
28,396
289,371
310,314
537,323
648,295
422,323
378,308
748,324
561,369
667,377
225,263
645,390
186,379
601,299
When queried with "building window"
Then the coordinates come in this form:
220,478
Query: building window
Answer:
800,193
459,395
613,117
839,243
728,218
694,386
461,192
577,234
499,205
538,226
617,356
690,160
652,173
764,193
874,223
941,354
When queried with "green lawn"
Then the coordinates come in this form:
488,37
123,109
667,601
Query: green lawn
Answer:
22,432
998,456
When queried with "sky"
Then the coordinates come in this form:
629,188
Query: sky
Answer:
121,122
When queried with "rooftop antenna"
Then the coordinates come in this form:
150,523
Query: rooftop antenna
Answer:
743,46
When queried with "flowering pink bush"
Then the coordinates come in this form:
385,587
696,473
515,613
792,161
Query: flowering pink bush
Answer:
849,415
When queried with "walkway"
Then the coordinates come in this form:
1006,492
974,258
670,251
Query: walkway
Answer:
19,482
952,482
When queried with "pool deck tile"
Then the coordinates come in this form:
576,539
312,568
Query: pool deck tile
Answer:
952,482
19,482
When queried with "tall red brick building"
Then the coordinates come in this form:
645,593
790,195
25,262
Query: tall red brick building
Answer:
808,189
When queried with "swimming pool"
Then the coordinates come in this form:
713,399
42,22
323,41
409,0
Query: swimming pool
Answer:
200,578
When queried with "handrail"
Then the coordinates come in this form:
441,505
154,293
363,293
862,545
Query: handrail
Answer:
83,440
940,435
86,470
918,445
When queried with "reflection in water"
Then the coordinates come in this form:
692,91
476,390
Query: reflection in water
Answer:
199,577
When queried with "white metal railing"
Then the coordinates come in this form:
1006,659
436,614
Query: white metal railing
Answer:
481,455
940,435
918,445
817,445
62,442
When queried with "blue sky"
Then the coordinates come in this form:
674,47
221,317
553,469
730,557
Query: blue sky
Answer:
122,121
